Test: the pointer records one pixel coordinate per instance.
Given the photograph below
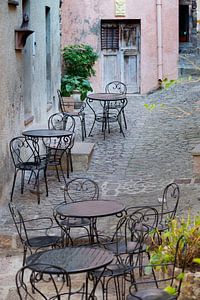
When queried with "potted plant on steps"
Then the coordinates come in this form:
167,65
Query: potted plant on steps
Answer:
189,227
76,86
78,63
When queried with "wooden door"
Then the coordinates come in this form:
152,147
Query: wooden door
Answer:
120,54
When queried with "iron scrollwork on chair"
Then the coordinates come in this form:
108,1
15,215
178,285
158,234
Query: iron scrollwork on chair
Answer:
75,109
128,244
152,288
77,189
169,204
57,147
25,153
118,88
34,233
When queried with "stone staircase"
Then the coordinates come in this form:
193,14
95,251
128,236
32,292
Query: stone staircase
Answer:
189,59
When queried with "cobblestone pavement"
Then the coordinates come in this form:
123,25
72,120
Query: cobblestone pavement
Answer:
134,170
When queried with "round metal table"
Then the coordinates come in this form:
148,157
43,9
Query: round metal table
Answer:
73,260
92,210
46,133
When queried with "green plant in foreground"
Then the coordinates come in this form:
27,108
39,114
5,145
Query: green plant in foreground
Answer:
188,227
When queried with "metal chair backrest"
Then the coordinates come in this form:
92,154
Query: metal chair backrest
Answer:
135,226
32,284
60,121
24,150
167,273
80,189
169,268
169,202
19,222
116,87
61,102
147,214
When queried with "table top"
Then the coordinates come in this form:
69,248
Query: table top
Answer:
45,133
72,259
106,96
90,209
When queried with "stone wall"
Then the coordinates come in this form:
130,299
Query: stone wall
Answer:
23,77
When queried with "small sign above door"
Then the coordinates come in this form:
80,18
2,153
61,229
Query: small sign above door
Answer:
120,8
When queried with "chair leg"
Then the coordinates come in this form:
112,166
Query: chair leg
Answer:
70,160
13,186
91,128
38,186
84,126
58,176
61,169
123,114
22,181
120,126
24,256
83,131
45,178
30,177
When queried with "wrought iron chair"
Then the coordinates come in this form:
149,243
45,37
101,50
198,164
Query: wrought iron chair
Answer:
107,112
168,205
118,88
57,147
75,109
27,229
129,241
26,157
60,121
40,281
167,274
77,189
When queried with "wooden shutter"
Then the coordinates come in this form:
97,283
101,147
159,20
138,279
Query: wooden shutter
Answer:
109,36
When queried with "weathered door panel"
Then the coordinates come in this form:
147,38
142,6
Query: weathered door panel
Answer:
111,70
123,64
131,73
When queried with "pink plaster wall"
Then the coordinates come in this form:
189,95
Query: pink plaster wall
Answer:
81,24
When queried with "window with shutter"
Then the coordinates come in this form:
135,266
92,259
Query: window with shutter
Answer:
109,36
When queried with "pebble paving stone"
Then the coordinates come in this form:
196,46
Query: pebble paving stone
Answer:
133,170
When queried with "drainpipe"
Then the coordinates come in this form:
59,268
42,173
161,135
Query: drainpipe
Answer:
159,39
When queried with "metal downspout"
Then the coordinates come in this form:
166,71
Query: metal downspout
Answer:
159,39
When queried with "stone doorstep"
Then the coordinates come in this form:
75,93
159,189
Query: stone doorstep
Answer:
81,156
196,150
196,160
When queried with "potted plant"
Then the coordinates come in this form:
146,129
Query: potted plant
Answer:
71,84
79,63
165,252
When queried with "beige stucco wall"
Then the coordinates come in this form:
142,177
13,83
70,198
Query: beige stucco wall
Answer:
81,24
18,66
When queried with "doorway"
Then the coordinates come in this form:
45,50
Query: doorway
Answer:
183,23
120,46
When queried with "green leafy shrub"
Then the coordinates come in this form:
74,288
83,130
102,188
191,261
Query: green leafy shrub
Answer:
79,61
188,227
69,84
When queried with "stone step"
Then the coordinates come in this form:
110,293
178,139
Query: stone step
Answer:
196,160
81,155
